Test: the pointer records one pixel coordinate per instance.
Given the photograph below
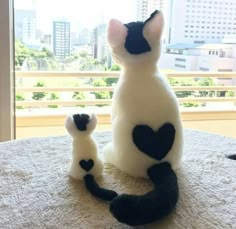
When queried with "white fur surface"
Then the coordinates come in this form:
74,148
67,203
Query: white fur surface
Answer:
36,192
142,97
85,148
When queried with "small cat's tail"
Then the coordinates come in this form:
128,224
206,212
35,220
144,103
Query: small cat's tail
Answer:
96,190
143,209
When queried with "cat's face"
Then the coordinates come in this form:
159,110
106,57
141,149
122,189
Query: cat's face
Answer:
136,42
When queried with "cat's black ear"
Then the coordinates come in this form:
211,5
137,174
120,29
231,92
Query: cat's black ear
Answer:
116,33
153,27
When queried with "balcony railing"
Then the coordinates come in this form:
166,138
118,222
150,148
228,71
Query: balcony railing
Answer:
224,107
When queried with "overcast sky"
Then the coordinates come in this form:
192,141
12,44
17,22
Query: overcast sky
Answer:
86,12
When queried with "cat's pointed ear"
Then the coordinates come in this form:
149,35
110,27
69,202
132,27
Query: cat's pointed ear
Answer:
116,33
154,26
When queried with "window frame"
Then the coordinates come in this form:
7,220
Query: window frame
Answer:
7,79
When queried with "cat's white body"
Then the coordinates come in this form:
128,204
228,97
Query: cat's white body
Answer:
141,100
142,97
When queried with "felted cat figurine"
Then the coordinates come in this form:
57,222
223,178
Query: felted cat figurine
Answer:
146,124
147,134
86,164
85,158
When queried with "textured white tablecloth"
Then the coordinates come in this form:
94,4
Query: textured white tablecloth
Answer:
36,192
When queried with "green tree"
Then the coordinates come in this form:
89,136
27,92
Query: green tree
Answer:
79,96
53,96
230,94
39,95
182,82
83,54
101,94
21,53
20,97
36,60
191,104
112,81
48,53
115,67
206,82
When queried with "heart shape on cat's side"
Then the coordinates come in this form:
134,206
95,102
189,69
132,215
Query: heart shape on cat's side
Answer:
86,164
155,144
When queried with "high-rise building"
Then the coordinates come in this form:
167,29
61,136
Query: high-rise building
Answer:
100,46
25,26
199,21
29,30
146,7
61,39
192,21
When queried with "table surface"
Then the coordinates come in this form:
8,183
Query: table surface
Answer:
36,192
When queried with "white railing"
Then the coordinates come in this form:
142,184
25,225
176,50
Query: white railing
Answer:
57,76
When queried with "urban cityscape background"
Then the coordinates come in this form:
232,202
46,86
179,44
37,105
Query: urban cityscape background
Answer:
199,35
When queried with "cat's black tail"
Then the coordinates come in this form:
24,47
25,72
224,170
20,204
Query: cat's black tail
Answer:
97,191
143,209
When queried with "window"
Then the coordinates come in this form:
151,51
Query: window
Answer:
180,66
180,59
204,69
75,48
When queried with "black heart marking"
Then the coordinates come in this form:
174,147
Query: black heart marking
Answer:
155,144
81,121
86,164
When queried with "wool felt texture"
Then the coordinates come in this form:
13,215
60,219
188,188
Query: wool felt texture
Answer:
86,164
153,205
96,190
135,42
232,157
146,125
85,158
155,144
81,120
134,209
37,192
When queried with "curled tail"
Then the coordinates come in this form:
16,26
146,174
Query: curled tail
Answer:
97,191
143,209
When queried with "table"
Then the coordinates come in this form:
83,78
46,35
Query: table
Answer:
36,192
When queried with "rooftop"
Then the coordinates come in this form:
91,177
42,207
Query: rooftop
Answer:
183,46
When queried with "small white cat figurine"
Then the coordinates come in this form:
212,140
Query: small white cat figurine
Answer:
85,158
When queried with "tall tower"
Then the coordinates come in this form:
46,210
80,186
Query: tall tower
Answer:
144,8
25,25
29,30
201,21
61,39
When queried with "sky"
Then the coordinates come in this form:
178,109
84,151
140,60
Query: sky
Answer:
87,13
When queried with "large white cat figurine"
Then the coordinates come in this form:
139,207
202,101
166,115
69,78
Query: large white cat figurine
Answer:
146,124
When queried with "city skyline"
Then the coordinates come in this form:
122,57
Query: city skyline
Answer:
80,13
188,26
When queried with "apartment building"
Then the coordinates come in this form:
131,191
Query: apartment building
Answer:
61,39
